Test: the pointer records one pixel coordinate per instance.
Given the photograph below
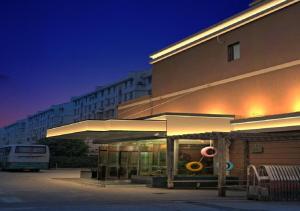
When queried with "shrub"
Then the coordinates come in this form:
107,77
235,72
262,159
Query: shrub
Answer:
73,162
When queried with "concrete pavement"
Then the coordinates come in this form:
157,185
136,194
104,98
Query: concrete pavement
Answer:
50,190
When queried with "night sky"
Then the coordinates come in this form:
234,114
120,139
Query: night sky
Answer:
52,50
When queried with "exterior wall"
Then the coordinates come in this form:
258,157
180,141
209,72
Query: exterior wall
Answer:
237,157
275,153
267,94
263,153
269,41
102,103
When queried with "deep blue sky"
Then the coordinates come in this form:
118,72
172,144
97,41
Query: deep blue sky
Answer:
51,50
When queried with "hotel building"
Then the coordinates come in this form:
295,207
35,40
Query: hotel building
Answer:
234,86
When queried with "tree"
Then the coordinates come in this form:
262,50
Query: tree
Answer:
67,148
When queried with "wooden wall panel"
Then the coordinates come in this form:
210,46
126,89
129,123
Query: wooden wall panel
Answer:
274,153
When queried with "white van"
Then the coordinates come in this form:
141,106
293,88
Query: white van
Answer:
24,157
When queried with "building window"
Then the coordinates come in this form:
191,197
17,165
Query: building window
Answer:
130,82
234,51
130,96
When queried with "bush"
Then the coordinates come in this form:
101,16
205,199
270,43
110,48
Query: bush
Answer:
66,148
73,162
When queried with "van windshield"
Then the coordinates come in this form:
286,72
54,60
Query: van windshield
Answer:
31,149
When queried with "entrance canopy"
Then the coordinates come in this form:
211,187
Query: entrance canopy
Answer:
103,131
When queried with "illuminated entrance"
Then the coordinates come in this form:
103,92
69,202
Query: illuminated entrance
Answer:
126,159
122,160
151,148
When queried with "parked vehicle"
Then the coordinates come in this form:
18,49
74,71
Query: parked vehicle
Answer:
24,157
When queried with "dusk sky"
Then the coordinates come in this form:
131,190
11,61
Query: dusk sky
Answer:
53,50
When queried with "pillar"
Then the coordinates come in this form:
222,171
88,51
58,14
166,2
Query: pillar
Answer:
170,162
176,153
222,166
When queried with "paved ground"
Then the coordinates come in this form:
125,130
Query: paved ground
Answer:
48,190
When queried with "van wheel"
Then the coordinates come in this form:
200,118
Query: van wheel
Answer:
35,170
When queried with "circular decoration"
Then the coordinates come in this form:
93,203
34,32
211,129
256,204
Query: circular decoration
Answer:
209,152
194,166
229,166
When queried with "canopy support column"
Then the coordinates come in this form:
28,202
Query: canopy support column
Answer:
222,166
170,162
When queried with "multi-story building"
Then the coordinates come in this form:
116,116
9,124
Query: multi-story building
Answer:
103,102
56,115
99,104
15,133
233,87
34,127
2,136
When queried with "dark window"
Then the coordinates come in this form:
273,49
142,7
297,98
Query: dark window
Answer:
31,149
234,51
130,95
5,151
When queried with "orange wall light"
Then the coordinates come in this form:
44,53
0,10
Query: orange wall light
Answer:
256,110
296,106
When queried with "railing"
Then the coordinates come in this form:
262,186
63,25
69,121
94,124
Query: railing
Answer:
273,182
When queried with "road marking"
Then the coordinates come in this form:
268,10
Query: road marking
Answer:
10,199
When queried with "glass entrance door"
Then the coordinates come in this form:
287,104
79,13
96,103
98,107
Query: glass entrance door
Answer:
126,159
123,163
145,163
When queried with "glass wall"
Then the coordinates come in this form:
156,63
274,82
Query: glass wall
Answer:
189,151
124,159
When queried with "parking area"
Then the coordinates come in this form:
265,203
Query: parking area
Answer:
62,190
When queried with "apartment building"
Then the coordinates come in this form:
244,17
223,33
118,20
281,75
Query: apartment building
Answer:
15,133
233,86
99,104
1,136
34,127
103,102
56,115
